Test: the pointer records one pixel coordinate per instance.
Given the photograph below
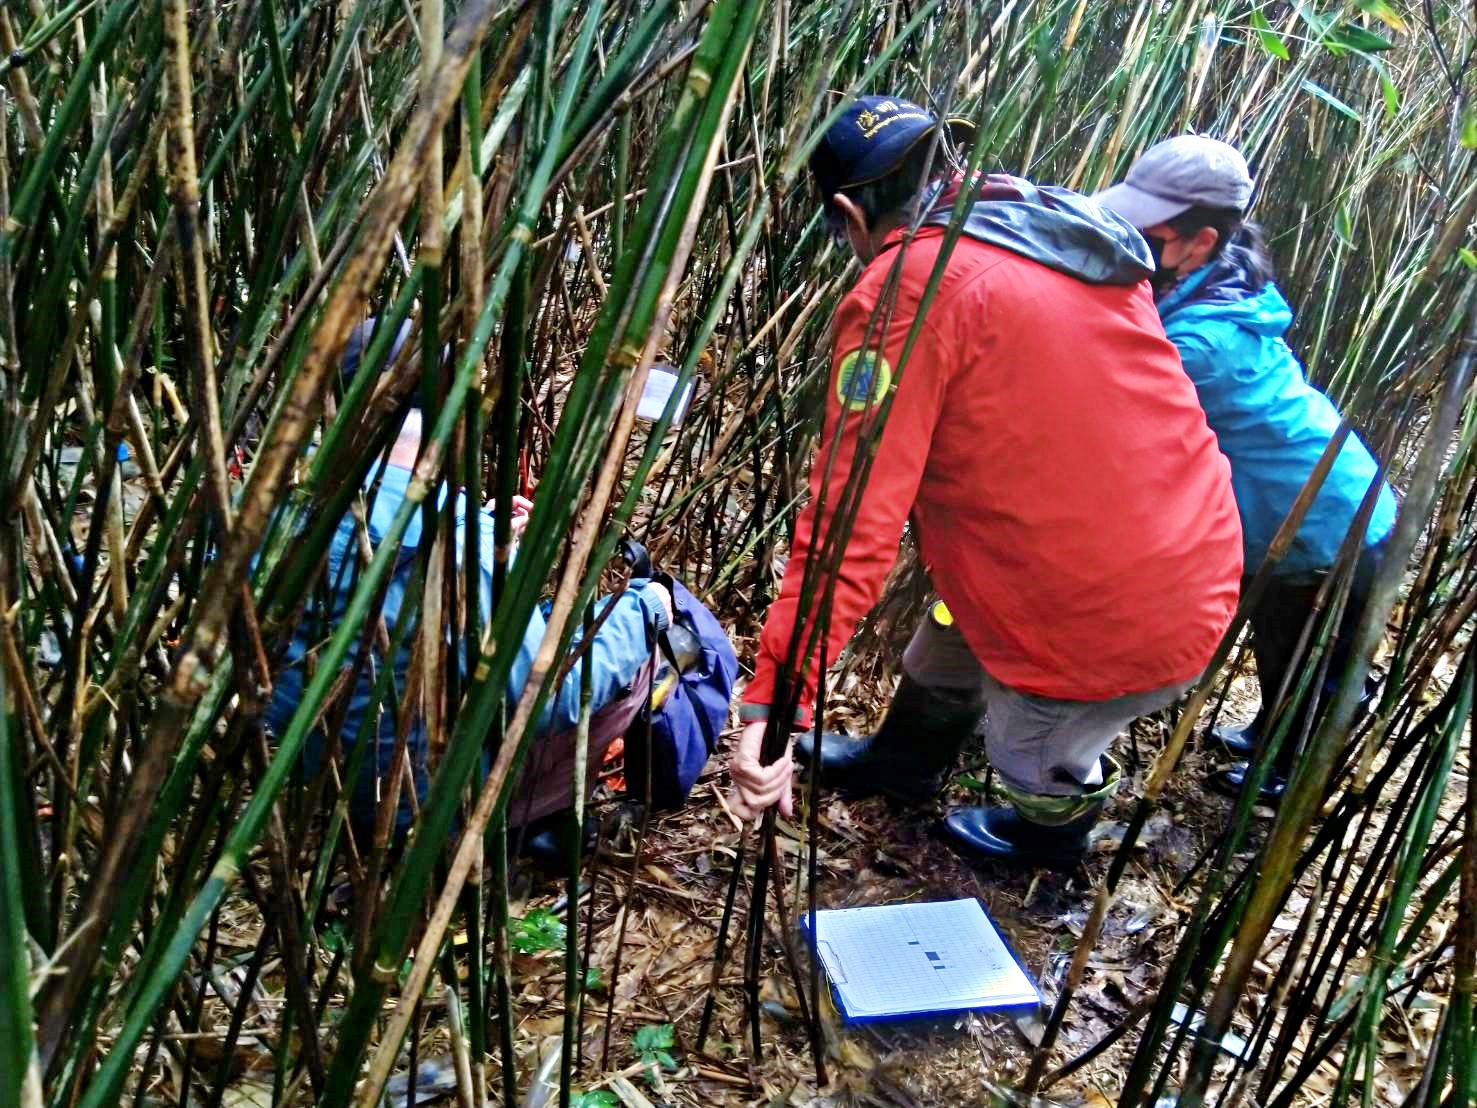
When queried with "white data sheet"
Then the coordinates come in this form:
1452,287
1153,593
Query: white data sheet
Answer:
660,381
911,959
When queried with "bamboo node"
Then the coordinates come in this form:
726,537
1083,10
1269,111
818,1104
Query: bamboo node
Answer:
226,869
418,489
384,974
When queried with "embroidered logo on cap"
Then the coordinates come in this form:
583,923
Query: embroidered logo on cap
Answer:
870,122
862,380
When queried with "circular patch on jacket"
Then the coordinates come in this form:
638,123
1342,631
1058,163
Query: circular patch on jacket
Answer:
862,380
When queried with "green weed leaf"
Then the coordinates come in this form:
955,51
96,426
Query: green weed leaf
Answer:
598,1098
1468,257
652,1038
540,930
652,1045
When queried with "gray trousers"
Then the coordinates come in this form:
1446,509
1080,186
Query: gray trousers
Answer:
1039,746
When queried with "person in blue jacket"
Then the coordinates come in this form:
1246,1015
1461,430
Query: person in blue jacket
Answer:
620,650
1220,306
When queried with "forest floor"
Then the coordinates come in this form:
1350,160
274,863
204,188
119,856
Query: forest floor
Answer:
870,853
656,920
652,926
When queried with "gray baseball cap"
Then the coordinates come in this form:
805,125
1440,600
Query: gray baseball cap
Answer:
1178,174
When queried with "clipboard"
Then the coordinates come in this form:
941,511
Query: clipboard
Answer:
895,960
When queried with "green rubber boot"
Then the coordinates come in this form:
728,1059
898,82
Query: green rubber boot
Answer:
1054,832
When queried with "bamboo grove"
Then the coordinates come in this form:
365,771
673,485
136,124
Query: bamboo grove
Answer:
198,203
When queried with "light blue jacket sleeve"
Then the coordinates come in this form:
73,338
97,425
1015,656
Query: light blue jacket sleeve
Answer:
617,654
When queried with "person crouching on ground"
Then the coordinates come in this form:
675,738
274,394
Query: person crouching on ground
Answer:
1070,503
619,657
1223,311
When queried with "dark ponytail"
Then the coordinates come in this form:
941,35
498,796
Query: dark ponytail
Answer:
1233,232
1251,243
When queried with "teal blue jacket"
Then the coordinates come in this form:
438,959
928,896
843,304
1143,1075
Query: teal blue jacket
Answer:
1272,424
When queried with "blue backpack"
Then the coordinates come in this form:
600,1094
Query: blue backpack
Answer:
696,669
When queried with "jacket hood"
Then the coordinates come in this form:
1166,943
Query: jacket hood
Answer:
1227,289
1056,227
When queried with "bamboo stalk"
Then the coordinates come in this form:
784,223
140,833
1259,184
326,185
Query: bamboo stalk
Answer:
1300,805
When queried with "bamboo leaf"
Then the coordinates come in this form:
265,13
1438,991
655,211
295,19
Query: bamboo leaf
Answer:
1339,37
1319,92
1390,92
1350,36
1385,12
1271,41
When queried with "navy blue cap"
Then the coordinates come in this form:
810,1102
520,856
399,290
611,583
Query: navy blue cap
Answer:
872,138
359,339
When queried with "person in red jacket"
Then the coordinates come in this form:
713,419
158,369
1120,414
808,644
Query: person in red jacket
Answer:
1069,501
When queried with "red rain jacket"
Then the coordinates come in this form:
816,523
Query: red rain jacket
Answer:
1071,504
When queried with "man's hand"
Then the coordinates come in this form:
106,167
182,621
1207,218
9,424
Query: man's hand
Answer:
521,507
756,787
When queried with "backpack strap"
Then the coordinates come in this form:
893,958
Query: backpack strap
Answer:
665,645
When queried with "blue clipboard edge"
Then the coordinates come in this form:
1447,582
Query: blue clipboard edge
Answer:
1009,1010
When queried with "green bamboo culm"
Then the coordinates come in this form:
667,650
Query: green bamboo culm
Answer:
20,1084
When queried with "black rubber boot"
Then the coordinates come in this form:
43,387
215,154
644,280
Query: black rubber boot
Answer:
909,757
1240,743
546,841
1230,782
1003,835
1238,739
